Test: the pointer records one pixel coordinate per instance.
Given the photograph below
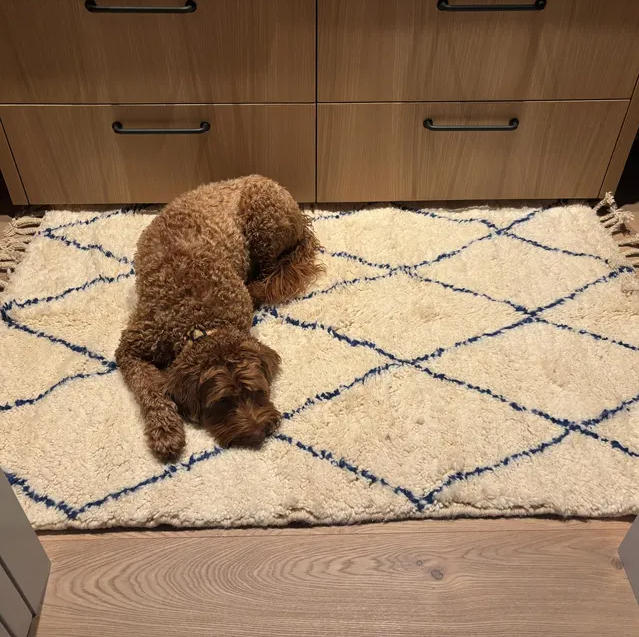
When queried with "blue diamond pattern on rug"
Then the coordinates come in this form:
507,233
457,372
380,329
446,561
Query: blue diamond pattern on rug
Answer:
477,362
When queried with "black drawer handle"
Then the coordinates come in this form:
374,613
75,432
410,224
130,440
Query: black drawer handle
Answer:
92,7
538,5
512,125
120,130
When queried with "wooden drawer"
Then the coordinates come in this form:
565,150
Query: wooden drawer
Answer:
408,50
71,154
224,51
383,152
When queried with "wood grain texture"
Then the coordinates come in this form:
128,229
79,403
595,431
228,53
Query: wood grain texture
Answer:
500,582
624,145
382,152
9,171
226,51
70,154
408,50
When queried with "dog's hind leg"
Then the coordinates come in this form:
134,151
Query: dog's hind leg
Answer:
293,273
282,246
164,428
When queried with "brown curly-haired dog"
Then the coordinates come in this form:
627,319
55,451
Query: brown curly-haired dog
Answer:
203,264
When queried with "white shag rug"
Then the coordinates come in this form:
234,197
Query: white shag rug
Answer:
481,362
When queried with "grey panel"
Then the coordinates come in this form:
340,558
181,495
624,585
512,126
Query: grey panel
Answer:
3,632
629,554
21,553
15,614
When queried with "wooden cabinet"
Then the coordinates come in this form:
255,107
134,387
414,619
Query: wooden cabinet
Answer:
95,164
326,96
223,51
383,152
408,50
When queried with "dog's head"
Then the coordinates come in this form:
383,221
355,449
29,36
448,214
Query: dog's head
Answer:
225,385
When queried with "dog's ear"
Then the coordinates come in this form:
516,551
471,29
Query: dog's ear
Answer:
217,384
183,386
258,366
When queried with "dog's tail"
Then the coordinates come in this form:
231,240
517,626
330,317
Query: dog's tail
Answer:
295,271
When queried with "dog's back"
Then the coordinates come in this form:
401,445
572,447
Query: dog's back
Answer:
193,257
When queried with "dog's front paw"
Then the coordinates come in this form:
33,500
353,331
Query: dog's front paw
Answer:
165,433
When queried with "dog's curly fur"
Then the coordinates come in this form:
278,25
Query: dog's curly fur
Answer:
208,259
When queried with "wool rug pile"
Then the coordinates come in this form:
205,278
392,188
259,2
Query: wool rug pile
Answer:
478,362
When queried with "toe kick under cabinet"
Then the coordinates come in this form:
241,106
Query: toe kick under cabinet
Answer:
116,101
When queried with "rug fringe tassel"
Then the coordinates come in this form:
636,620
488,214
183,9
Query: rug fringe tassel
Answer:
14,242
617,221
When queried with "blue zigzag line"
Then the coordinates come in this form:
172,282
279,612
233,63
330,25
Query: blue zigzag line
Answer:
455,288
615,444
497,231
409,269
565,423
171,470
86,247
78,349
72,513
489,334
344,284
597,337
433,215
529,313
168,472
543,246
490,235
353,342
606,414
569,428
569,297
429,498
404,208
23,485
342,463
338,391
354,257
88,222
440,351
31,401
444,255
519,308
81,288
110,365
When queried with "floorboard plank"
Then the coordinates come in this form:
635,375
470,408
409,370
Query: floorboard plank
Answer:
556,581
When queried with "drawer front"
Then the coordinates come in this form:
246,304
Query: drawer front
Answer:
408,50
224,51
383,152
71,154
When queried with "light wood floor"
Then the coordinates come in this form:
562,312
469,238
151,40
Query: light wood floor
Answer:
462,578
467,577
